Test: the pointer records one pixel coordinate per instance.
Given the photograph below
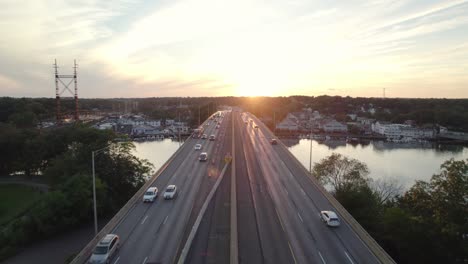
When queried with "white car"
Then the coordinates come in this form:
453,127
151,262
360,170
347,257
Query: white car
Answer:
105,249
150,195
203,156
170,192
330,218
198,146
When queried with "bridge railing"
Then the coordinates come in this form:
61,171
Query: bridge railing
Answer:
373,246
85,253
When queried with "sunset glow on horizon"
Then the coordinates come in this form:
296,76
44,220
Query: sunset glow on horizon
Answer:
237,48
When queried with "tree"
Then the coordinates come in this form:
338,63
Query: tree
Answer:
386,190
24,119
362,203
441,206
341,172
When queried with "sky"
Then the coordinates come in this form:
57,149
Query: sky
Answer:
133,48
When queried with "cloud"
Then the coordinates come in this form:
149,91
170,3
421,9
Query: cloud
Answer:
8,84
209,47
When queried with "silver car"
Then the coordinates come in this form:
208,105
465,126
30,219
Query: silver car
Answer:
330,218
105,249
171,192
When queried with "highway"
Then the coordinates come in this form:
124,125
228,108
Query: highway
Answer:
277,206
298,202
153,232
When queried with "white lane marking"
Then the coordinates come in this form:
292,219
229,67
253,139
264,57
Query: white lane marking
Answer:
279,218
298,214
290,174
292,253
165,219
144,261
322,258
286,192
302,190
350,260
117,260
144,219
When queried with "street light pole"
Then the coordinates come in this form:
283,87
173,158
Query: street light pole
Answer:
274,122
94,153
94,198
179,127
310,160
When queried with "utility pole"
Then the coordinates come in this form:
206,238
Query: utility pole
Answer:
198,115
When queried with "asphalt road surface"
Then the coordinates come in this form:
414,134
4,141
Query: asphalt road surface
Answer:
154,232
277,205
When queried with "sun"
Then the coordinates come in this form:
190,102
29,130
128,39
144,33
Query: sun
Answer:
248,82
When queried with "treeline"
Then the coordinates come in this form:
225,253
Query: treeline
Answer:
62,158
426,224
452,113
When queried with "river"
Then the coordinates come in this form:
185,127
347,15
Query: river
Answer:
402,162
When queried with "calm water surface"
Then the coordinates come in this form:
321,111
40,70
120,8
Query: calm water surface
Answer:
405,163
156,152
402,162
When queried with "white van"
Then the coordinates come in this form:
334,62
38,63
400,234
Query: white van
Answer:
150,195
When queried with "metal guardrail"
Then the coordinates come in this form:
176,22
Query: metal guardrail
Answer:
373,246
85,253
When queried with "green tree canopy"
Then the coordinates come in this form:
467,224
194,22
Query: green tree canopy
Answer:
341,172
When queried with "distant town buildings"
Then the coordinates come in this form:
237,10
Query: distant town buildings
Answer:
333,126
308,119
288,124
399,131
139,126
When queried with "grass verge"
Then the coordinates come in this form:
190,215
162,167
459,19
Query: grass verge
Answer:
15,199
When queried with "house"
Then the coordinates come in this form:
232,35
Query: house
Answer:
104,126
365,121
316,115
145,130
288,124
387,129
352,116
180,126
397,131
295,117
155,123
333,126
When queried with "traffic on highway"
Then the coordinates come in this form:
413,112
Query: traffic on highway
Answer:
281,214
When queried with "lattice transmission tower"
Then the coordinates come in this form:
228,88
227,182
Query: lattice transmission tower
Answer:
62,79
